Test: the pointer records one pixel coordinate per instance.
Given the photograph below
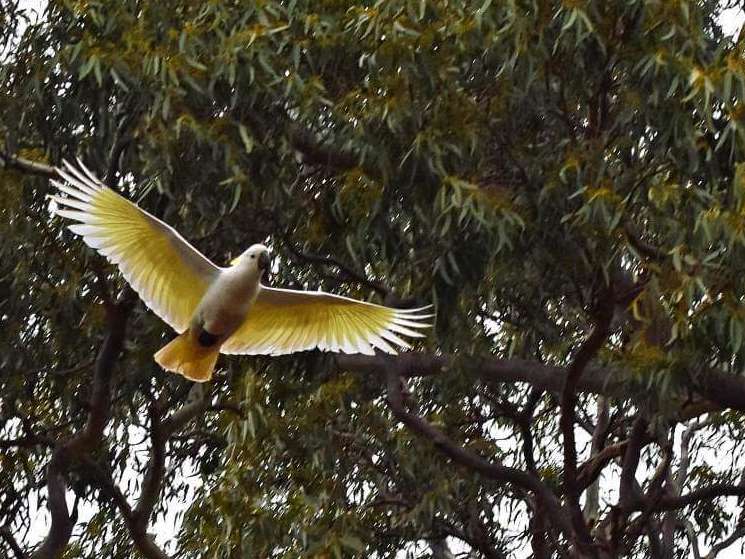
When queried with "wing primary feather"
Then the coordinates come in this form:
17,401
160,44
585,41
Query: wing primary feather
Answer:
82,217
147,281
83,229
416,310
361,330
305,341
74,192
101,243
84,177
330,340
416,316
74,180
405,331
382,344
71,203
273,339
410,323
283,339
93,178
388,335
345,331
353,331
301,333
338,329
272,336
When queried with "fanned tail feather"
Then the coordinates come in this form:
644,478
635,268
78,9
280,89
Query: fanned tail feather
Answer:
184,355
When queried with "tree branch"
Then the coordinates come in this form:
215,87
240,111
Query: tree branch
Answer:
628,495
592,504
676,482
626,488
602,380
347,272
725,543
315,152
76,447
12,543
27,166
653,495
138,518
141,539
702,494
154,474
28,441
585,353
468,459
692,537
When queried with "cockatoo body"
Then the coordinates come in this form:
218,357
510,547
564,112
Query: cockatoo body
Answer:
220,310
220,313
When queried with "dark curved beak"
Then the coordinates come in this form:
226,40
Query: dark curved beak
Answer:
264,261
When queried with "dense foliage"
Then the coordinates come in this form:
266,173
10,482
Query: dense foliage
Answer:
563,180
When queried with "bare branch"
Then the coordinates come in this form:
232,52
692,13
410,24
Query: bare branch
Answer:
642,522
655,541
628,488
197,404
141,539
154,475
640,245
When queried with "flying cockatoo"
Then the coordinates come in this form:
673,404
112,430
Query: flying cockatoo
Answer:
220,310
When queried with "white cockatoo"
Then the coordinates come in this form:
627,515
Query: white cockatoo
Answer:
220,310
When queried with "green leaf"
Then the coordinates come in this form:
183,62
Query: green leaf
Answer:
246,138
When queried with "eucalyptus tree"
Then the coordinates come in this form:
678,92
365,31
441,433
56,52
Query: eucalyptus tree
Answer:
563,180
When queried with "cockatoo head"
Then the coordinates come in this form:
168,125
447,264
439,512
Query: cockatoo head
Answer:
255,255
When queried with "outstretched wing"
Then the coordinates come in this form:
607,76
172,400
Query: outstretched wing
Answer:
168,273
284,321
